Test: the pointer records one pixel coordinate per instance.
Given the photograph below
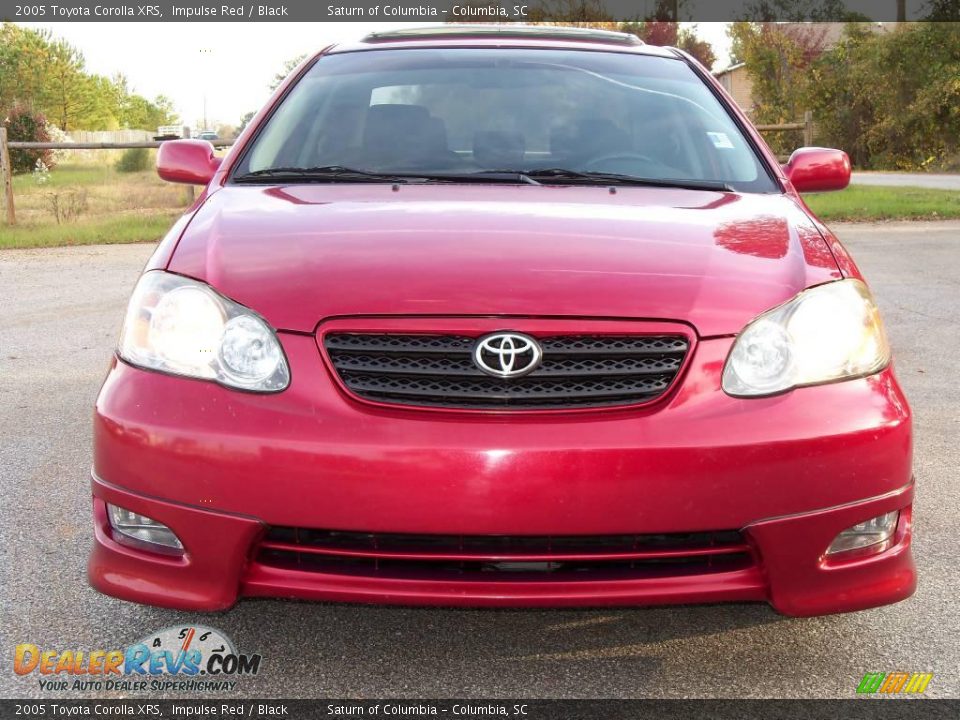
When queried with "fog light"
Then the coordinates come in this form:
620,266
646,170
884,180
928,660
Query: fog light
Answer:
877,531
141,531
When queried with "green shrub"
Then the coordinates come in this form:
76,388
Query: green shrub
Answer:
67,205
23,125
134,160
890,99
893,98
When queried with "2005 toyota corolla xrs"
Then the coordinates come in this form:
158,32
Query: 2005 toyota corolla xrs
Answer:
502,317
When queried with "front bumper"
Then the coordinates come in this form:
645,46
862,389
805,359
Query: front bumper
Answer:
218,467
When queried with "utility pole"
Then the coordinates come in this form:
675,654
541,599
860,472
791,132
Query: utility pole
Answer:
206,54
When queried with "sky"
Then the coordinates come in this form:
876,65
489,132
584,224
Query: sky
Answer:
226,68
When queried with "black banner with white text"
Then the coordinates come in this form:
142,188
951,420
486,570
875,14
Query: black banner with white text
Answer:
443,11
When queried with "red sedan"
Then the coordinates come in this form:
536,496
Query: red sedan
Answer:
502,317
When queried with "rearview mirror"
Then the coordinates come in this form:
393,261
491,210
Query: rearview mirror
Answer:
187,161
812,169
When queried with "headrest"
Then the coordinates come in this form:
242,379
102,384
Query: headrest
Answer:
392,123
499,149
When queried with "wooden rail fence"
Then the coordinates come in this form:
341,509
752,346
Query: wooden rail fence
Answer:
6,177
806,125
6,169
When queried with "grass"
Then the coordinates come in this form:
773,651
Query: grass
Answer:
115,207
65,176
95,231
865,203
95,204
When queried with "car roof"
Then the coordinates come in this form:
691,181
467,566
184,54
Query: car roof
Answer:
506,31
499,36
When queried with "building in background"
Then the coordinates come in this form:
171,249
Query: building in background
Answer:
737,82
816,38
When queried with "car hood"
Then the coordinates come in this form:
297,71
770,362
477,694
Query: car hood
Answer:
300,254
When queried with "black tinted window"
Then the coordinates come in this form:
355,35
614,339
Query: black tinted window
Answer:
466,110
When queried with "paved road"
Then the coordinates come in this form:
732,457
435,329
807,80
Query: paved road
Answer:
924,180
58,321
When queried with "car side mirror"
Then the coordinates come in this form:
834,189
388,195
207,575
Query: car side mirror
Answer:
812,169
187,161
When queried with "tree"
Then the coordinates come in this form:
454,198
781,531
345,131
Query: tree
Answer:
890,99
167,114
288,67
48,76
671,34
801,11
245,120
576,13
893,99
138,112
700,49
102,113
23,57
659,28
226,131
778,57
70,93
662,33
24,125
943,11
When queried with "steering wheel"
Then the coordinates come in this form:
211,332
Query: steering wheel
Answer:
627,156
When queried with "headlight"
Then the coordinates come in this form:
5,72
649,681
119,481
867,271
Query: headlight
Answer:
830,332
142,531
182,326
874,533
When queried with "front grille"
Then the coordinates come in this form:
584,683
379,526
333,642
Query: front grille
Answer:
577,371
503,557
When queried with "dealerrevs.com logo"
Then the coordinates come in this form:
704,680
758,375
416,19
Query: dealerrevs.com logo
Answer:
179,658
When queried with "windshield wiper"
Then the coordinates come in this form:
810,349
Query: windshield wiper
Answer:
339,173
604,178
504,176
324,173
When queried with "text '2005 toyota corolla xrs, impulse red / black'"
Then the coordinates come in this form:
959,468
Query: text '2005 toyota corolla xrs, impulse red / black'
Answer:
502,317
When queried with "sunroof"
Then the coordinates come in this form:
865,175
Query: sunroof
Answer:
507,31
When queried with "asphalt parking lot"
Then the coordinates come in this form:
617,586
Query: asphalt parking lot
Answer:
60,311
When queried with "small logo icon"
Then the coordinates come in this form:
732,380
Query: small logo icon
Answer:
507,354
895,682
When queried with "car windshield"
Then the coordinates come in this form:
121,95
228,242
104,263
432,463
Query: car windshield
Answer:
559,116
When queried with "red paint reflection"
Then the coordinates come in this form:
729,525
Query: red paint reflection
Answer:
766,237
816,251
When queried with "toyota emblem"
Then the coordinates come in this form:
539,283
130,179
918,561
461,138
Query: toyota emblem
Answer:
507,354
